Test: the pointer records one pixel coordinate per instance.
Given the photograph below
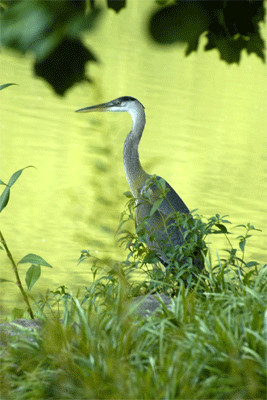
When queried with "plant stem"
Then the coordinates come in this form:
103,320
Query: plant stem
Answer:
227,238
15,269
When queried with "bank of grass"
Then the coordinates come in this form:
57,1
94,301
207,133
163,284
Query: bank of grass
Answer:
211,344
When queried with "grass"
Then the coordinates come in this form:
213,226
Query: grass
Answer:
210,343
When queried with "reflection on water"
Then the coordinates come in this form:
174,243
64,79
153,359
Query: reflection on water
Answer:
205,133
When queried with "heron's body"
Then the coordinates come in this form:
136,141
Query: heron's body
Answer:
159,226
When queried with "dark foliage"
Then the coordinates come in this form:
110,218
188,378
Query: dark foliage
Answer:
51,30
230,26
65,66
116,5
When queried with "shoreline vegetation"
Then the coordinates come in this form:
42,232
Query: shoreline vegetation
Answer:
178,334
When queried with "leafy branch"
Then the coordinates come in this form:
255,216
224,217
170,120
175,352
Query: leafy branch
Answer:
15,269
34,272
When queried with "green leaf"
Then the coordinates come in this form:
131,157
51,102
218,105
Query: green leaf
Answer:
251,226
85,252
242,245
6,85
162,185
16,175
32,275
251,264
247,277
5,280
4,198
128,194
221,227
17,313
2,183
34,259
155,206
226,221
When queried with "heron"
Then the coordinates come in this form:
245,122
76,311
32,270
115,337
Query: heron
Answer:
160,225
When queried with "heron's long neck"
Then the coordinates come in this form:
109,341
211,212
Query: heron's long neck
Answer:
134,172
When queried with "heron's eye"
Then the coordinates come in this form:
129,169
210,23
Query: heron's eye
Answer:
118,103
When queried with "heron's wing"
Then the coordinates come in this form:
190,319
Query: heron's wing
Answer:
174,202
163,228
168,206
161,223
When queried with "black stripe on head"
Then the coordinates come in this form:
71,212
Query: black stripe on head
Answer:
129,98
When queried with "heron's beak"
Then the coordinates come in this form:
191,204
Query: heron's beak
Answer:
98,107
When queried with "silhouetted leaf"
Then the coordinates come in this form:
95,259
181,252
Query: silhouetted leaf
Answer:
229,47
73,56
181,22
116,5
40,26
256,45
34,259
46,29
230,26
32,275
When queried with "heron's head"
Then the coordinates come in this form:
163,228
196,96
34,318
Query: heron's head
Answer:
121,104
